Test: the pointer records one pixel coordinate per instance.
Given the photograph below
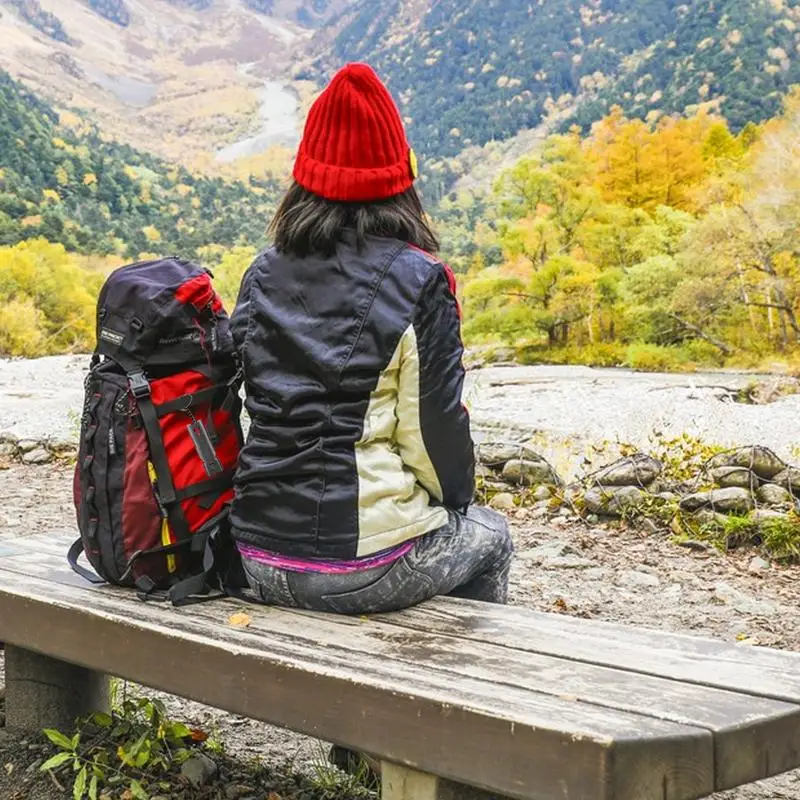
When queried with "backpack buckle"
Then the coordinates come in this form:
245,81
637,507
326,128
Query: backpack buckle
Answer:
139,385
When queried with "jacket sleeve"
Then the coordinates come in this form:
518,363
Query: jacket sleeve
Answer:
433,429
240,319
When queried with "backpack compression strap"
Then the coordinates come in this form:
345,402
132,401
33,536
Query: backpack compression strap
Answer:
140,388
73,554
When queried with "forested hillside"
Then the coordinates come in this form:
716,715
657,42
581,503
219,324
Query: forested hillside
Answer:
467,72
655,246
97,196
738,55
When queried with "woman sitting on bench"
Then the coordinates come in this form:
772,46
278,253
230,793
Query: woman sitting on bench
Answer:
354,487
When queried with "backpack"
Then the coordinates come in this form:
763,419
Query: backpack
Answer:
160,436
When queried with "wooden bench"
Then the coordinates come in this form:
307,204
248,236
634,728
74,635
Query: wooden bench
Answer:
450,695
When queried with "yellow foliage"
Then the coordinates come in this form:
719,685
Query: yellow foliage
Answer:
62,176
644,167
152,233
89,179
20,328
47,300
51,194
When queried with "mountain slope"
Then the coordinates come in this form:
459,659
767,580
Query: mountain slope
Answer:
164,75
96,196
470,71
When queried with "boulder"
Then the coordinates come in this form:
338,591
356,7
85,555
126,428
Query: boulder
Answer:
789,478
7,448
26,445
757,565
613,501
638,470
525,472
37,456
773,495
732,500
766,515
199,770
741,477
503,502
497,454
705,516
760,460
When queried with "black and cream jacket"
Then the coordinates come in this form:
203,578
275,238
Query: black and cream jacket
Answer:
359,440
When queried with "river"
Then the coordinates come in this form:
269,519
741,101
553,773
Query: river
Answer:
566,413
279,124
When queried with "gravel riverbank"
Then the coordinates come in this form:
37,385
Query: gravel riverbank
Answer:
562,411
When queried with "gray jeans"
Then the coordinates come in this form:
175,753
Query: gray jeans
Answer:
469,557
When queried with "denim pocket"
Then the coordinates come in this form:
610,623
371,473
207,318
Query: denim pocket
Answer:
269,583
401,587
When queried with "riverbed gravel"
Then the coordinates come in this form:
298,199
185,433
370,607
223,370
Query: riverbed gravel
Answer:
563,411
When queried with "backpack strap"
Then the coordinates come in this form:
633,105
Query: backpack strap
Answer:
140,388
73,554
222,575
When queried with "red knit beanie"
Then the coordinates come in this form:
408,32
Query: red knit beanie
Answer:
354,148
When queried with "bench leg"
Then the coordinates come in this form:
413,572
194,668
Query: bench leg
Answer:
402,783
42,692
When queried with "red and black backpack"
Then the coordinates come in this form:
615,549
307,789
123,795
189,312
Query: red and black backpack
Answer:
160,435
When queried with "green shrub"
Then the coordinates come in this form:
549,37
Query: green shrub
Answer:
654,358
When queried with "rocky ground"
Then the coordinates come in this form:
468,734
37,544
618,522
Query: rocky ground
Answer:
563,565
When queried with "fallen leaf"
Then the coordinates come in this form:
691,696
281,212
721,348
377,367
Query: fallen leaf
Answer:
239,620
198,735
273,796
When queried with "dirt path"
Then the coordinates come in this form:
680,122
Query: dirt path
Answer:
618,575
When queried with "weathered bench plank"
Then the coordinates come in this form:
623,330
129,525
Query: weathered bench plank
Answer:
705,662
753,737
464,671
539,746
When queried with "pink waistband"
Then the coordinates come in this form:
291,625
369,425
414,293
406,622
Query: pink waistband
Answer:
325,565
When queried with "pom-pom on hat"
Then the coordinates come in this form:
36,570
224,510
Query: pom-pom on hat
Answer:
354,148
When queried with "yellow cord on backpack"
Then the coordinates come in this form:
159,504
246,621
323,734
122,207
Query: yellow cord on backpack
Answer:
166,539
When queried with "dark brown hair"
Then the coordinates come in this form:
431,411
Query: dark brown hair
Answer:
306,223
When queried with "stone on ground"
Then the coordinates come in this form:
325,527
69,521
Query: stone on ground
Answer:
611,502
36,456
732,500
638,470
199,769
525,472
760,460
774,495
496,455
503,502
788,478
734,476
